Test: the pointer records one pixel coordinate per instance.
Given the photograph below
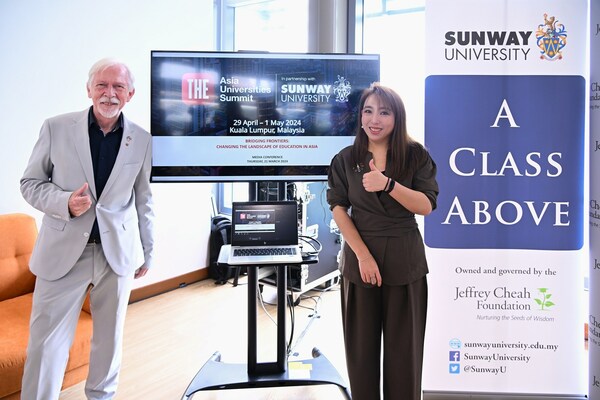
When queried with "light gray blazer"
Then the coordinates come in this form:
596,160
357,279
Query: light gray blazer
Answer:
61,163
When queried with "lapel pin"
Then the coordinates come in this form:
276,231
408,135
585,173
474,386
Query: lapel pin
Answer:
128,140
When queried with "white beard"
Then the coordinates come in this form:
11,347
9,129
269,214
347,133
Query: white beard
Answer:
113,111
110,113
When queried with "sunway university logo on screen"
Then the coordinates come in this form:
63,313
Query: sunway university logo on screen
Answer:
196,88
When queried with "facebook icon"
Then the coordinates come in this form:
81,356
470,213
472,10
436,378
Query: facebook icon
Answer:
455,356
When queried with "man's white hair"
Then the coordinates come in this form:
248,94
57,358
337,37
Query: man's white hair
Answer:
109,62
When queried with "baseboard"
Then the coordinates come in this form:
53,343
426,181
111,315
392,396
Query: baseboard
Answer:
440,395
167,285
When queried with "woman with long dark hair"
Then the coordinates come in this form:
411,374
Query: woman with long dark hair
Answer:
376,186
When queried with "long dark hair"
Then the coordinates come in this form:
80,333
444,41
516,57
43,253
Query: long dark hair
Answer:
404,154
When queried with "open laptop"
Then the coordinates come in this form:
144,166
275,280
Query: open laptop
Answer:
264,232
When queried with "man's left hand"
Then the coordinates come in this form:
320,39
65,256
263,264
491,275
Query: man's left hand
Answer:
140,272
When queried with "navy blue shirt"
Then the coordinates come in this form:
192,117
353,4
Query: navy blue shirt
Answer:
104,150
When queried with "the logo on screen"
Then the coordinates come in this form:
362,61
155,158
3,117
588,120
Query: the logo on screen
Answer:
342,89
551,38
196,88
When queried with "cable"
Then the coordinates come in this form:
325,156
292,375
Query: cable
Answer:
313,243
290,301
290,304
317,299
314,315
262,303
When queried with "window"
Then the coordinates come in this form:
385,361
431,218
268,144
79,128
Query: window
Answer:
276,25
395,29
230,192
268,25
375,8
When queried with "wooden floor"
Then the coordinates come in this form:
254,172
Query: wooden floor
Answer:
169,337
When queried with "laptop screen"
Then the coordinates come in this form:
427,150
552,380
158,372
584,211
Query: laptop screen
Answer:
264,223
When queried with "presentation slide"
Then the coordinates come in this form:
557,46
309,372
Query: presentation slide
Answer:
253,116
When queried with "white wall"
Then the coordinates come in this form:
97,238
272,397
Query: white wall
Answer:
46,49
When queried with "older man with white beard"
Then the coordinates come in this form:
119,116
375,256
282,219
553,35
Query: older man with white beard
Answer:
89,173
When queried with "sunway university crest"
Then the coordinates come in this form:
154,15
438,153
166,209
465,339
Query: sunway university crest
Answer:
551,38
342,89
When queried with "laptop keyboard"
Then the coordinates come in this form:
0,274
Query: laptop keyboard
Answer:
264,251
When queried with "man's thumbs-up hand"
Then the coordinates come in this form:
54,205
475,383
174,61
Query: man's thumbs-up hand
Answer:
79,201
374,180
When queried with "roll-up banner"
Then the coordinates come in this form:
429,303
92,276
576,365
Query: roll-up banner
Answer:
505,121
594,205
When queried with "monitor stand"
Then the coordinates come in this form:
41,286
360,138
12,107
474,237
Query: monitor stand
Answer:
216,375
268,191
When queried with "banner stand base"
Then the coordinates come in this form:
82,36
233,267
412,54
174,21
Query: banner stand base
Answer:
442,395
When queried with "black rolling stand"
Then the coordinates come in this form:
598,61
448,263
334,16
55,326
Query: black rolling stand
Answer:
216,375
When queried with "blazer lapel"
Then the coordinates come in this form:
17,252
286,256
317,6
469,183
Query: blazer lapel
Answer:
125,153
81,139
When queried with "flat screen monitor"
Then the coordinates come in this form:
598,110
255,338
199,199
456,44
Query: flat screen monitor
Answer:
251,116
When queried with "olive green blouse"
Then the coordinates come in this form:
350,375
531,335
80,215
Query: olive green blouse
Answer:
388,229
